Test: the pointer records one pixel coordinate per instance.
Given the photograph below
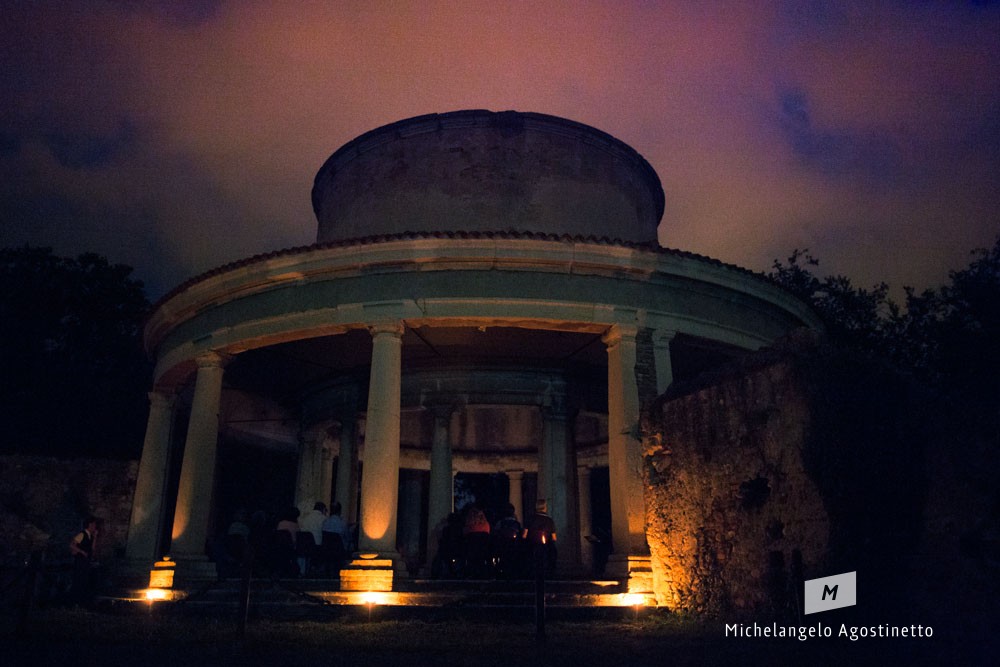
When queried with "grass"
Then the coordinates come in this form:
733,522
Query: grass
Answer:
150,639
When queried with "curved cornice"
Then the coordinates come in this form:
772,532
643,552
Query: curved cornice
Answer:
538,257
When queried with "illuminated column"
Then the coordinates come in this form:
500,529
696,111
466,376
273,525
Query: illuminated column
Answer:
586,525
347,468
628,512
516,493
147,502
380,482
308,482
442,490
661,354
194,491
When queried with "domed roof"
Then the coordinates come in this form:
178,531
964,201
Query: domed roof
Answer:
484,171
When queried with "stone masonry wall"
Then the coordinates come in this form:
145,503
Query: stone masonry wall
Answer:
43,502
729,501
798,461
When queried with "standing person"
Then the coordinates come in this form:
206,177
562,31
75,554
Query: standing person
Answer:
476,536
82,547
505,538
540,533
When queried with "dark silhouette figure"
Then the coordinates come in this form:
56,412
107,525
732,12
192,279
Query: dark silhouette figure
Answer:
82,547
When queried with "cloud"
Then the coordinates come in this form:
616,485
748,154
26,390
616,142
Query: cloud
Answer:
195,129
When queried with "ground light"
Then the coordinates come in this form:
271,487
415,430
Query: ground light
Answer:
634,600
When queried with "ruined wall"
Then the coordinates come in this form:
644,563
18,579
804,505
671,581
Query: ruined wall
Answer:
44,500
798,454
729,500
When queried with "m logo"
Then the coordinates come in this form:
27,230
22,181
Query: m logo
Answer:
840,590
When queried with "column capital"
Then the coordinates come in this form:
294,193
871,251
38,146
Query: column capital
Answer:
618,333
558,412
583,468
514,474
663,337
213,359
392,327
162,399
312,436
442,410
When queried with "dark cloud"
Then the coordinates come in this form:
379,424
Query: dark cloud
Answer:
10,143
82,150
872,157
175,136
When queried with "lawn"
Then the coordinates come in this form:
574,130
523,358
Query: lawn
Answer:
59,636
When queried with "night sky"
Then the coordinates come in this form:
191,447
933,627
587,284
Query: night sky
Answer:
177,136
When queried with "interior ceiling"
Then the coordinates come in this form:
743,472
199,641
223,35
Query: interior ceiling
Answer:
281,371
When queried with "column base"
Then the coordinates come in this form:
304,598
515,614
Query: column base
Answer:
636,569
371,571
194,568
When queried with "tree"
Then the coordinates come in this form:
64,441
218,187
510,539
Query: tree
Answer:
74,372
858,318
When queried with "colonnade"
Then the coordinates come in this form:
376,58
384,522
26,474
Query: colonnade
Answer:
561,481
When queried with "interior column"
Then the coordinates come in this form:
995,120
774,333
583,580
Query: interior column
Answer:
441,501
515,493
310,469
586,524
347,468
559,465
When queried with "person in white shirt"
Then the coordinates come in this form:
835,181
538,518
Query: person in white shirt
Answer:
312,522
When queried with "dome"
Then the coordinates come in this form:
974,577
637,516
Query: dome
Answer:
486,171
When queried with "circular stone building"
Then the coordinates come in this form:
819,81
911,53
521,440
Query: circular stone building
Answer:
486,306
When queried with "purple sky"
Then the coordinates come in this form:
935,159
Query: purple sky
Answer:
177,136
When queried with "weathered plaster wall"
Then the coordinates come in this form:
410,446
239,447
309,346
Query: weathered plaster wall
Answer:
797,451
44,500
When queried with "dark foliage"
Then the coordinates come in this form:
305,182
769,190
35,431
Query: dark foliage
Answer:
946,342
74,373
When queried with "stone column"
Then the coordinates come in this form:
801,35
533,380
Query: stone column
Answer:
628,513
441,501
586,524
380,482
325,471
661,354
150,484
347,468
308,479
411,502
560,466
515,494
194,491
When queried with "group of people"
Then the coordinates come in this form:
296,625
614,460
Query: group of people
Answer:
471,547
290,545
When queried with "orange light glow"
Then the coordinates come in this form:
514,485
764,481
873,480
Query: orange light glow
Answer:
156,594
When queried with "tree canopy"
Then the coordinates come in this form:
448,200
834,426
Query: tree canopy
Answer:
74,373
946,338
